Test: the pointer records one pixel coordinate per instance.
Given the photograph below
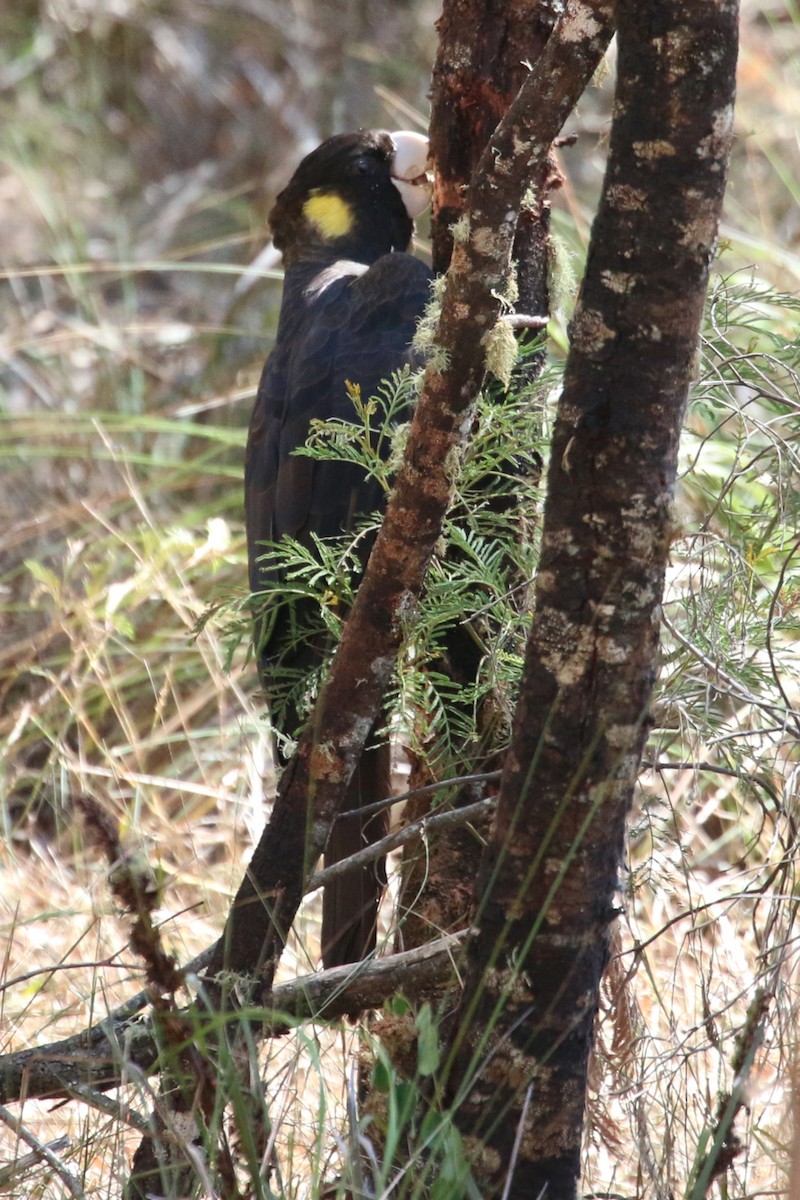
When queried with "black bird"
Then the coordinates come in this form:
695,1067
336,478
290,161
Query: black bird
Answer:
351,300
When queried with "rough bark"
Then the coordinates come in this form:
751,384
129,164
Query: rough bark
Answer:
485,52
313,784
523,1031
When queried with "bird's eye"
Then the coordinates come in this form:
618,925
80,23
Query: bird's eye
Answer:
362,166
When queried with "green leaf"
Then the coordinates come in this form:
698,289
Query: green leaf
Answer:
381,1076
428,1055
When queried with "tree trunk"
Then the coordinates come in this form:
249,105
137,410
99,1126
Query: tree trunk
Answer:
485,51
522,1034
471,93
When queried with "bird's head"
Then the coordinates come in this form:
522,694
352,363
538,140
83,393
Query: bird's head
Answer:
355,196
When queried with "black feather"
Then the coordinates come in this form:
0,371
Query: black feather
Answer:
350,306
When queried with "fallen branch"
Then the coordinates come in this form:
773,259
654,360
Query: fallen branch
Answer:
97,1046
99,1057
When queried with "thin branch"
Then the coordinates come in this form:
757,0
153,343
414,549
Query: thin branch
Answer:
734,687
53,969
714,769
14,1170
122,1114
43,1151
445,820
428,790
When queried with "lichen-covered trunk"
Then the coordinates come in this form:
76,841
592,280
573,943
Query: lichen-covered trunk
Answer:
522,1035
485,53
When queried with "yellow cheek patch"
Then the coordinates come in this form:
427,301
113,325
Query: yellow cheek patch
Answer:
332,216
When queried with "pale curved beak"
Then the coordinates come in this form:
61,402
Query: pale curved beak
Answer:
409,171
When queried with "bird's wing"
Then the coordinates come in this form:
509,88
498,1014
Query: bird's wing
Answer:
356,328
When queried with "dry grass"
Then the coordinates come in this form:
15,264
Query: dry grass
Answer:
127,364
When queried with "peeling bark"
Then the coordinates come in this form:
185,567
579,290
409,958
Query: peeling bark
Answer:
521,1038
485,53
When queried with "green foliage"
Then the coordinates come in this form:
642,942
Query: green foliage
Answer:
478,578
371,438
313,589
732,602
421,1150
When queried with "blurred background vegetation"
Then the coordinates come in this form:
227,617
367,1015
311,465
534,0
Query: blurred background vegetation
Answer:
141,145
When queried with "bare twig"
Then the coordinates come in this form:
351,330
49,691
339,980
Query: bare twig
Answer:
428,790
445,820
42,1150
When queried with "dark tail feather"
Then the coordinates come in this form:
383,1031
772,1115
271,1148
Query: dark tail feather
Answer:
350,904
